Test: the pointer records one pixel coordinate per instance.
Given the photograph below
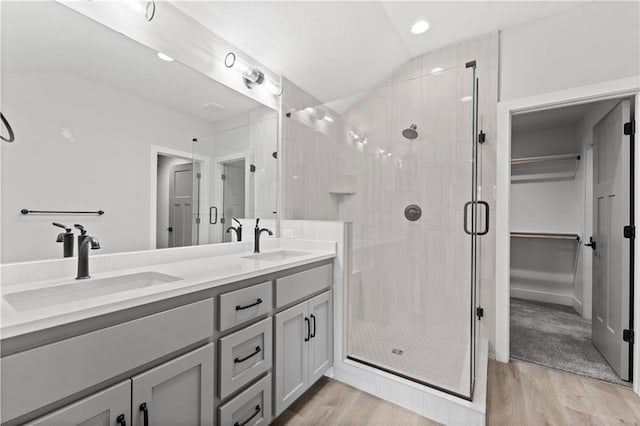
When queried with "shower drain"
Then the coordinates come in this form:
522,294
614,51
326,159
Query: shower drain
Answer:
397,351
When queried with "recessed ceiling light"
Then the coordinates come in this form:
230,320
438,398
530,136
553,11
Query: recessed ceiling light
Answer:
420,27
436,70
165,57
466,99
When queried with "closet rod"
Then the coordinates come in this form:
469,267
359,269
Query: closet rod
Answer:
545,158
542,235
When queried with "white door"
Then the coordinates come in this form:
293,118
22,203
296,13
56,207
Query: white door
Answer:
181,205
611,185
179,392
111,407
321,342
292,355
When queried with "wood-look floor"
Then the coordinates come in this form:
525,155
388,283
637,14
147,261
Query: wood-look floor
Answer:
518,394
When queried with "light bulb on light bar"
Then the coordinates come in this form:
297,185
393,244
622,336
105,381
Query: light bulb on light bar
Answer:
251,76
144,8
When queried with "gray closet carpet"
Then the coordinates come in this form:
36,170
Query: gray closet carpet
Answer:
556,336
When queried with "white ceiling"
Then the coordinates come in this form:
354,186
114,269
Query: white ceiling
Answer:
335,50
49,37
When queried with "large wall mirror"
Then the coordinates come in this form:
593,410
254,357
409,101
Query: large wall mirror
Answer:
105,124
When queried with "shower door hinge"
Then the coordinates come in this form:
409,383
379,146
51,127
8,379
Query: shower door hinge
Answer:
630,127
628,335
252,168
223,177
197,221
629,231
479,312
482,137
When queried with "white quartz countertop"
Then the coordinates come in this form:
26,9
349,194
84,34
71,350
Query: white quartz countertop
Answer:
209,268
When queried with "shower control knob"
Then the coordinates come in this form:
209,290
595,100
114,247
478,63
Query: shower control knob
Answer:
412,212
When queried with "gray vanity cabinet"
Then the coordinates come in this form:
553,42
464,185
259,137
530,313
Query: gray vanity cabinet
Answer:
111,407
177,392
303,348
321,342
292,356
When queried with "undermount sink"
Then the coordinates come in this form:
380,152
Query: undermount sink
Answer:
86,289
276,256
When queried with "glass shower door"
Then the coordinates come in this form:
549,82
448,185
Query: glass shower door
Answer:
411,301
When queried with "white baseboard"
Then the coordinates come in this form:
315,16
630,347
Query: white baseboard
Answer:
543,296
577,305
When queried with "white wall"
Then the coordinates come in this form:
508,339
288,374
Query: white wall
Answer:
83,146
587,44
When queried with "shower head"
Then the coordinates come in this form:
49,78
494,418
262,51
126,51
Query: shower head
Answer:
410,133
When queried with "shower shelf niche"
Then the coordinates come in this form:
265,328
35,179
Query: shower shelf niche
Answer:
546,167
342,191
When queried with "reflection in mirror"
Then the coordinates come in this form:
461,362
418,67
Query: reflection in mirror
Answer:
107,124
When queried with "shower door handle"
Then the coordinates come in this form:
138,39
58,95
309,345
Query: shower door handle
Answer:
465,218
485,231
211,209
486,218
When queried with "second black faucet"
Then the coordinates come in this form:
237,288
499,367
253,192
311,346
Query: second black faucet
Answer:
256,236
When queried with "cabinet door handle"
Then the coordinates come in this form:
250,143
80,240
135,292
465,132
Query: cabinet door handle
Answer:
121,421
313,317
306,339
257,302
239,360
255,413
145,413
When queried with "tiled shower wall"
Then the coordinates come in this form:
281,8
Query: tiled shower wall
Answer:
327,176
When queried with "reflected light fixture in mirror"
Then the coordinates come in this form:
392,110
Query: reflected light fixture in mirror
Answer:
251,76
357,137
165,57
144,8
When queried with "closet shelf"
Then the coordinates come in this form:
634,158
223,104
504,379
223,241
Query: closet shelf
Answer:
546,235
560,166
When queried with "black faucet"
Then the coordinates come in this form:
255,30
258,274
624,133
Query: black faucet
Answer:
256,236
66,238
84,241
237,230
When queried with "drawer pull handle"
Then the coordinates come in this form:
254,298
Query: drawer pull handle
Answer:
257,302
312,335
250,418
239,360
145,413
121,421
306,319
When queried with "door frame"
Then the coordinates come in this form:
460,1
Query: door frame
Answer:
203,161
585,94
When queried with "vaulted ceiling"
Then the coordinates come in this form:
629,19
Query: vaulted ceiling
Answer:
335,50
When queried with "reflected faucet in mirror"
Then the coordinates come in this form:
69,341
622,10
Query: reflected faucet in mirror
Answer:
66,238
237,229
257,232
84,242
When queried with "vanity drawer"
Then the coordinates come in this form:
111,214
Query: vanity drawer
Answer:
237,307
244,355
41,376
250,408
298,286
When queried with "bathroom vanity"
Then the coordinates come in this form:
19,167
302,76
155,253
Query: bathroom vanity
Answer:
230,339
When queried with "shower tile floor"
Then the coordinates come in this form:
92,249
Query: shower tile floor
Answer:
439,362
